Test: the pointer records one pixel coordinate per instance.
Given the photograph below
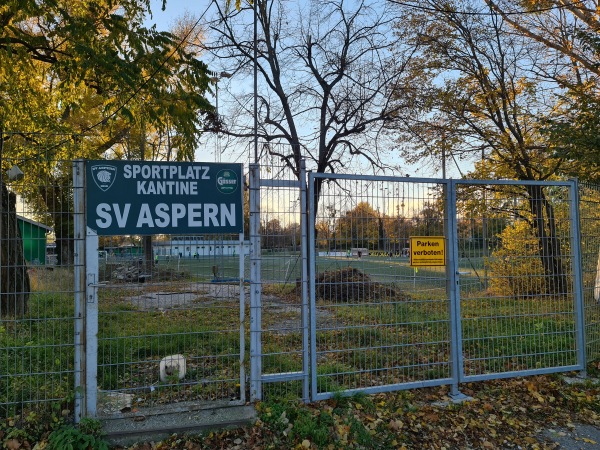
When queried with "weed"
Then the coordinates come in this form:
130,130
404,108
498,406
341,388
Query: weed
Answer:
91,426
360,433
277,415
314,427
70,437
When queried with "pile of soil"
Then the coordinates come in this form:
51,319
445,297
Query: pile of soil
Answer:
351,285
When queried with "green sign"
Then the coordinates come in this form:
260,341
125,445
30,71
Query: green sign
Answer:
139,197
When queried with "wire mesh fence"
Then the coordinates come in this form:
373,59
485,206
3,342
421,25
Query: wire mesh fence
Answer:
171,310
518,294
589,212
37,264
169,324
283,321
382,320
378,321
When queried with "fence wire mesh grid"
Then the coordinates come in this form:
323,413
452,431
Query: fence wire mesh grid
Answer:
518,295
589,207
37,343
169,320
380,322
282,350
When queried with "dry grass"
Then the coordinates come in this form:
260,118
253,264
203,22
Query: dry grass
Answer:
51,279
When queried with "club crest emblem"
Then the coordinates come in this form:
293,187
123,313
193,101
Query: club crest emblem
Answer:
104,176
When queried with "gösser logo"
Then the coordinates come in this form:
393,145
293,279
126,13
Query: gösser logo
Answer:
104,176
227,181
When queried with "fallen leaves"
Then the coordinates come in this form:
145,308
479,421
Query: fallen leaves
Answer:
503,414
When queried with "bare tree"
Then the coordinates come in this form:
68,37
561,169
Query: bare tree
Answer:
569,33
568,28
326,72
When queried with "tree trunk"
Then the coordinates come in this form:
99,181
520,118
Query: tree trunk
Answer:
65,244
381,234
544,227
14,279
58,202
146,240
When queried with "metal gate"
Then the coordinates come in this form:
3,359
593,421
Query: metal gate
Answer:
279,358
164,320
507,302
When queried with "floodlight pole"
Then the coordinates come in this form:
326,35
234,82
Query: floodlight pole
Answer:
254,3
2,212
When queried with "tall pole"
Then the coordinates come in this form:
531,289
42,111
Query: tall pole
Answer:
255,81
1,208
217,138
216,80
484,226
443,154
218,135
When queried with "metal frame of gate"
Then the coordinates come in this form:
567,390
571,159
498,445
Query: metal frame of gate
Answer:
87,314
86,281
257,375
456,357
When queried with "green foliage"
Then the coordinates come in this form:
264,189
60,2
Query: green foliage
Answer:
314,427
91,426
29,427
86,81
85,437
276,414
96,58
39,374
575,131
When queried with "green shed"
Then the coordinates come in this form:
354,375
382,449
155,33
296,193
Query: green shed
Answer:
34,240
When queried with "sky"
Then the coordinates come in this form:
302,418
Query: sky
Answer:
211,148
174,9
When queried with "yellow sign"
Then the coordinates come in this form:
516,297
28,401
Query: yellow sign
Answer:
427,251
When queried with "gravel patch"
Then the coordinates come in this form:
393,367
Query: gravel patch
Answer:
186,295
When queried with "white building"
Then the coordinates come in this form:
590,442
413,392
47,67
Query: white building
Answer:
197,246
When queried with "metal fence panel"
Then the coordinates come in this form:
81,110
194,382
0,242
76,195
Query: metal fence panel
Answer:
169,329
378,324
169,313
589,207
517,244
279,314
38,319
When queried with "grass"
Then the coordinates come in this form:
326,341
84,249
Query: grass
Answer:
358,345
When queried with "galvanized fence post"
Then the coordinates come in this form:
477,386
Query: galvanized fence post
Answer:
305,243
255,286
452,273
91,322
311,287
79,288
242,322
86,302
578,275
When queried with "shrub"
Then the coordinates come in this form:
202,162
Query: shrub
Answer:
85,437
516,267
